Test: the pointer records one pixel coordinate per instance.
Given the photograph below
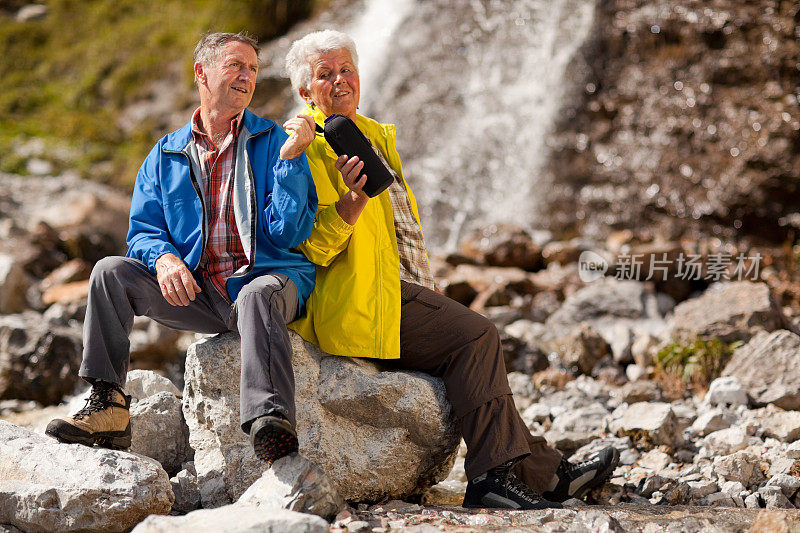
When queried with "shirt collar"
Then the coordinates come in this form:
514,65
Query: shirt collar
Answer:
236,124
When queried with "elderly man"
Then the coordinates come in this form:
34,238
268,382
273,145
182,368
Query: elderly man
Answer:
218,207
374,298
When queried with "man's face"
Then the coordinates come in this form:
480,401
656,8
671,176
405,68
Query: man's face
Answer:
229,80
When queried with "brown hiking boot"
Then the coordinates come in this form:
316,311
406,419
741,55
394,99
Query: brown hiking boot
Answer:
273,437
104,420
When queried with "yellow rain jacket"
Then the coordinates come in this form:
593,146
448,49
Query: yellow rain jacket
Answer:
354,309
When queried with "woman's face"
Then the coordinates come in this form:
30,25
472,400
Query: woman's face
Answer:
334,86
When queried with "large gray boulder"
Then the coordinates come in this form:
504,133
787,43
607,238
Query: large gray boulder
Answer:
376,434
38,361
729,311
48,486
769,368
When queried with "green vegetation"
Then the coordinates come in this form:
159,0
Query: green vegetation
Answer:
695,364
67,76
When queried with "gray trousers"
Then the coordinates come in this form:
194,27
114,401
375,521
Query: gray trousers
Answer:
121,288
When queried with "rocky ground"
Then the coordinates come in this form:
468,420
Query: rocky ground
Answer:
694,381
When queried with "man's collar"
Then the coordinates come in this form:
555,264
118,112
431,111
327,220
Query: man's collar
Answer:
197,123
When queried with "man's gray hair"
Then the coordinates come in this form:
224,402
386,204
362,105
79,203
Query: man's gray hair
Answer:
209,46
298,66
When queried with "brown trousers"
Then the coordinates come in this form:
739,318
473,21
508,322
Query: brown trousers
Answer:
445,339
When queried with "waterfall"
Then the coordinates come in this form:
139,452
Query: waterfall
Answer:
373,32
473,87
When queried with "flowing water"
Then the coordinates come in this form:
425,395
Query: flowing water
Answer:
473,87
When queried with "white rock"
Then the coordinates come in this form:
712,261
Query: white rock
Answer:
718,499
726,390
13,285
702,488
655,460
235,518
741,466
49,486
655,420
158,430
728,311
376,434
39,167
635,372
32,12
753,501
788,484
767,368
144,383
774,498
620,342
726,441
537,412
732,488
575,428
782,425
628,455
594,521
186,490
709,422
643,348
295,484
793,451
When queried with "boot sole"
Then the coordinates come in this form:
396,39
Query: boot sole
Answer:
69,434
273,439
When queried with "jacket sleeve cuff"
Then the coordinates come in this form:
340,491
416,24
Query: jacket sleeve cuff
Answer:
330,217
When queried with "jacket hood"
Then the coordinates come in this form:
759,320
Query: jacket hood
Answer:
178,139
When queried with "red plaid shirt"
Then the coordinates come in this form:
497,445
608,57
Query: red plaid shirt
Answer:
223,254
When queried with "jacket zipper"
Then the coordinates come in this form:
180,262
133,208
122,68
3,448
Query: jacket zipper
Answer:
196,187
254,205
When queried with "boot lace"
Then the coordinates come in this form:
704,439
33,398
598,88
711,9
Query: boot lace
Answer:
100,398
513,484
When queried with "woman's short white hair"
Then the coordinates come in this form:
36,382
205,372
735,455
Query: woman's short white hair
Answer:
297,60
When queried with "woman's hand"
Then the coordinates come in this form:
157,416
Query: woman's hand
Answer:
302,128
352,203
350,169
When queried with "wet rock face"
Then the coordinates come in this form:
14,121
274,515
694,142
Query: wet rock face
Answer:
689,118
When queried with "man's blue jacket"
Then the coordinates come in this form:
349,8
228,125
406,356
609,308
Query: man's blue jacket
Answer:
274,203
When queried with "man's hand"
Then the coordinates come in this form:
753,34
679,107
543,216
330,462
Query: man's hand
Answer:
177,283
303,132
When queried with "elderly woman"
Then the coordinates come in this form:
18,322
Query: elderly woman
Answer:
375,298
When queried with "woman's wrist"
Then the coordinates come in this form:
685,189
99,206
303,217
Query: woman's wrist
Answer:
350,206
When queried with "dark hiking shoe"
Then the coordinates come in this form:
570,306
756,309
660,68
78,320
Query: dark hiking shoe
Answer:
104,420
576,479
499,488
272,437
